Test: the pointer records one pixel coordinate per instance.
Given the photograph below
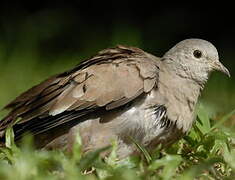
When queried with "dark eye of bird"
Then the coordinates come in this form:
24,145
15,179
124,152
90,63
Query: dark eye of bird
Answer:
197,54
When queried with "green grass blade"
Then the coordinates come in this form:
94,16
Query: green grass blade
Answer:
142,149
223,120
197,170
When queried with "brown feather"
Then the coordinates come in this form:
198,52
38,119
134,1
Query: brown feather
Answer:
110,79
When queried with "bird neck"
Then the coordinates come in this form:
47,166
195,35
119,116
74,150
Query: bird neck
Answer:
183,90
186,72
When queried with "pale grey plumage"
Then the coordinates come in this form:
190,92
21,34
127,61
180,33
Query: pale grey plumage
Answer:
120,93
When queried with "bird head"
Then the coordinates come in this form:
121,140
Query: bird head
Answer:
194,59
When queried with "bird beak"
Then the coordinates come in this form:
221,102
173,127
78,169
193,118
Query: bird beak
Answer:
220,67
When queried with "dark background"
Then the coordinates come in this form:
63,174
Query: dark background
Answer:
72,25
38,39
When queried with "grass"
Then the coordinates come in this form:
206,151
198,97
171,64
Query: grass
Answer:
207,152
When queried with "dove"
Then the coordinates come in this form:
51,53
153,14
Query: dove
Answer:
122,94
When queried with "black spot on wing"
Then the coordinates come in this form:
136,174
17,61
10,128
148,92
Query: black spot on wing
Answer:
160,112
40,125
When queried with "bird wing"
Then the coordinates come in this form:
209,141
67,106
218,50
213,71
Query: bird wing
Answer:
110,79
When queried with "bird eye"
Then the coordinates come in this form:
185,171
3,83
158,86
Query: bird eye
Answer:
197,54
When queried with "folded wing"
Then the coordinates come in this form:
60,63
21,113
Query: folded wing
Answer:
109,80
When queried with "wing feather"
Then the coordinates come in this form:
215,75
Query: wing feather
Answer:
108,80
